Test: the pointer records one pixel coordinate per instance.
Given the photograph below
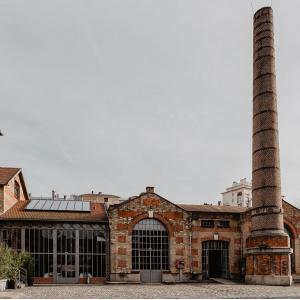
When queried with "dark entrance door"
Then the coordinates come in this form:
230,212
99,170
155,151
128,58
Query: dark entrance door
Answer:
150,250
215,259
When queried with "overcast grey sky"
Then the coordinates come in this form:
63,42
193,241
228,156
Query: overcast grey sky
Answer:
113,95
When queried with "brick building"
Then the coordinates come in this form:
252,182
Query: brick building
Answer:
204,241
150,239
67,239
12,188
145,238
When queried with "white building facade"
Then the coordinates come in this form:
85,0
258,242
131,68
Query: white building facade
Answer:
239,194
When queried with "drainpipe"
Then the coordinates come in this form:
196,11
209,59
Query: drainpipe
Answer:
242,247
190,244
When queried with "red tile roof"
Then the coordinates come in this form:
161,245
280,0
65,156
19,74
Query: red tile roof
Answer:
6,174
213,208
18,212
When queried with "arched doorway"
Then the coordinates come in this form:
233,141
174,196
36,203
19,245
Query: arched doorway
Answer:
215,259
289,232
150,250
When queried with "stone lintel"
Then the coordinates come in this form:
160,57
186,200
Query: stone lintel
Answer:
269,251
269,280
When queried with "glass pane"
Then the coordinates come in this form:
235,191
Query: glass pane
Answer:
71,205
149,248
55,205
48,205
85,206
78,205
32,204
40,204
63,205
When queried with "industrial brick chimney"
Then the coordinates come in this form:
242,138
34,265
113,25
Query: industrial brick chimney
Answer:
268,247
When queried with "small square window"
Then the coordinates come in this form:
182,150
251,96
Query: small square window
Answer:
223,223
207,223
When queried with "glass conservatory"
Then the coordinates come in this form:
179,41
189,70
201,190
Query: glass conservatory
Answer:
62,253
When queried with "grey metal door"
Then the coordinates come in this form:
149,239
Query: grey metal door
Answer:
151,276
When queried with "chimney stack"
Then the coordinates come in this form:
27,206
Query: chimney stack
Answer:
268,250
150,189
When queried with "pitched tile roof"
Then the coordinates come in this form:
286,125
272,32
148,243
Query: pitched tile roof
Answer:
213,208
6,174
18,212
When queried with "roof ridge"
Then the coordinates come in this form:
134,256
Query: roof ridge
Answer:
7,173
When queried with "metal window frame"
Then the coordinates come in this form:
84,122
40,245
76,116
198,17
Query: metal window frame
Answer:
150,246
30,234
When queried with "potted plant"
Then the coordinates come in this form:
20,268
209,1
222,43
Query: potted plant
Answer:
4,264
26,262
19,260
13,268
11,262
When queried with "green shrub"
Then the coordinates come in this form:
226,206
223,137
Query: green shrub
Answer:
26,262
5,260
12,261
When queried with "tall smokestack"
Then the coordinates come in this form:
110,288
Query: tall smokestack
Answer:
268,252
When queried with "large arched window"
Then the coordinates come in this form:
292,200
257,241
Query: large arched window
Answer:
150,246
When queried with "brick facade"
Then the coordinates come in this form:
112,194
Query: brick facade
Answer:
186,236
124,217
7,193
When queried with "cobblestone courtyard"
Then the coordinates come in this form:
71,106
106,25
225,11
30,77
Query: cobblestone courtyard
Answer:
155,291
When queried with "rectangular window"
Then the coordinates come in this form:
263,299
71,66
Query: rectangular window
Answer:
223,223
17,190
207,223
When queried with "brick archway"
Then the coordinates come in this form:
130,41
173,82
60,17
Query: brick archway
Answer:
293,234
155,216
291,228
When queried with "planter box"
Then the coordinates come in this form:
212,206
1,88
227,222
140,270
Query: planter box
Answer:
3,284
12,284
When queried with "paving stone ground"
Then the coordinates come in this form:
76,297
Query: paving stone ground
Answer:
196,290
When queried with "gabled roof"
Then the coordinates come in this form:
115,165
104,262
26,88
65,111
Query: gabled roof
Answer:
214,208
191,207
18,212
288,203
6,174
142,194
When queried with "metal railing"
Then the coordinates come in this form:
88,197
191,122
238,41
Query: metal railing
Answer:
22,277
